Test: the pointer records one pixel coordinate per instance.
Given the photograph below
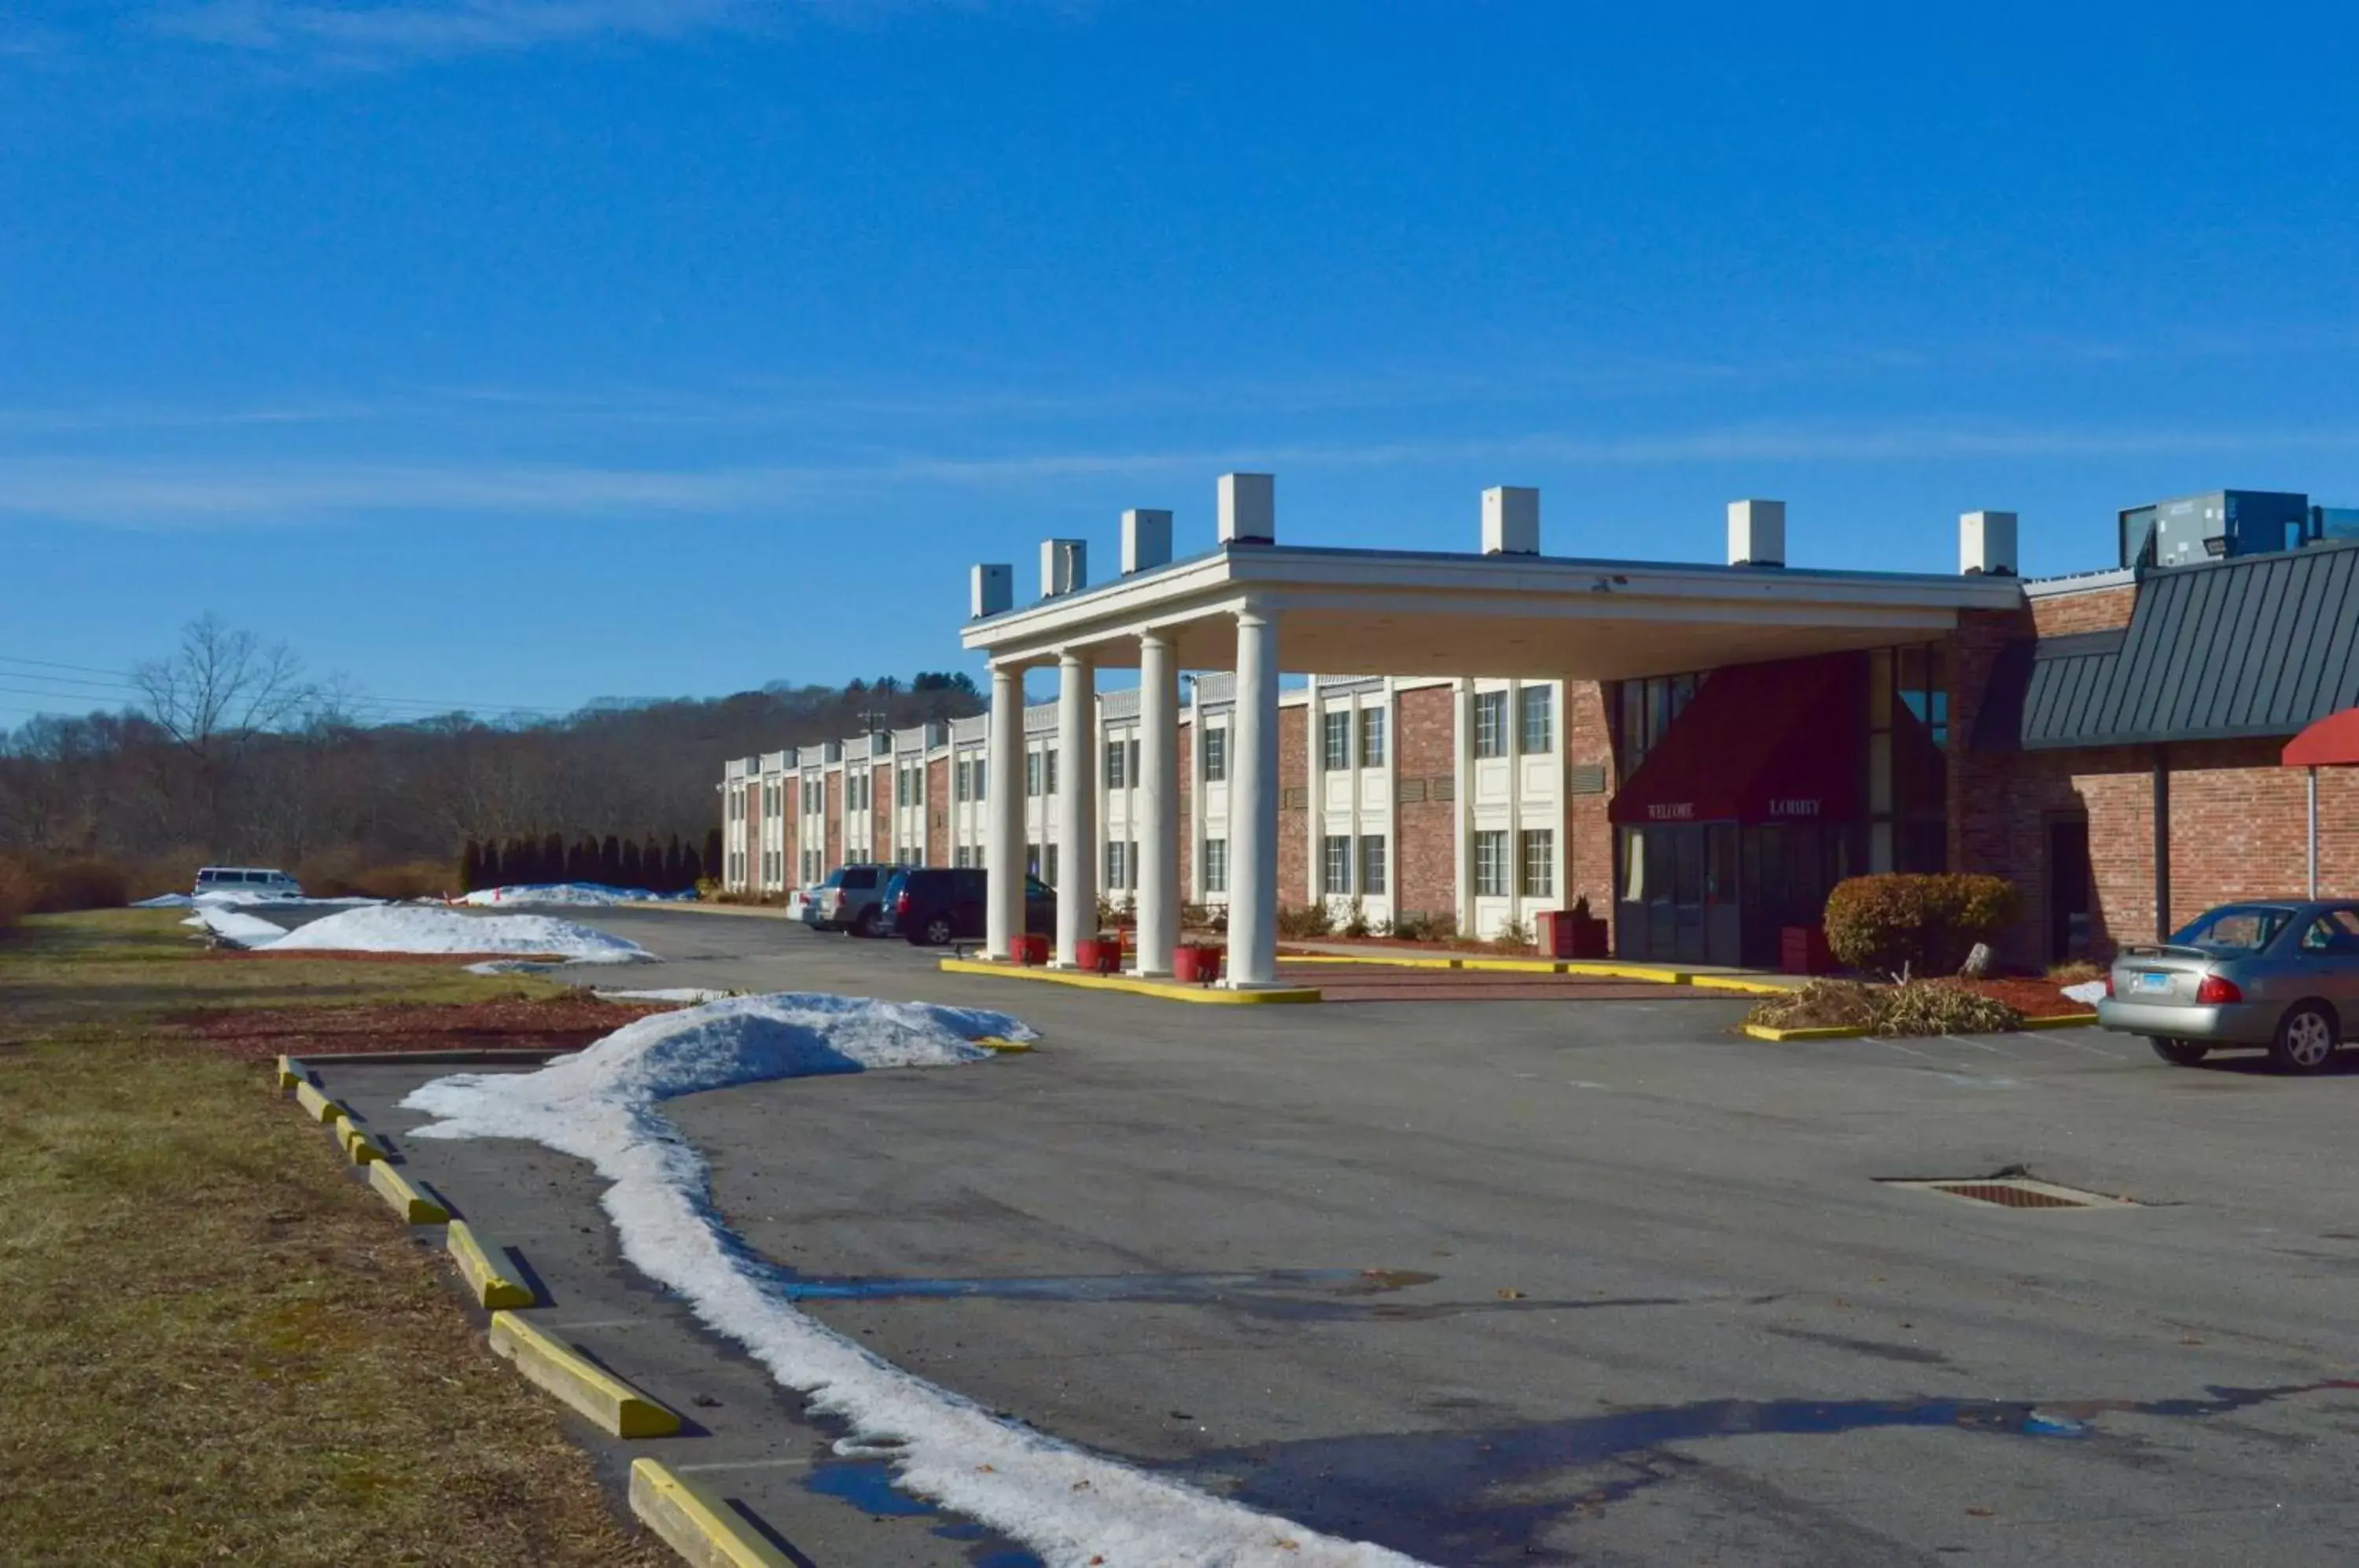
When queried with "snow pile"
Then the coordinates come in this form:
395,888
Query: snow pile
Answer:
568,893
2089,993
415,928
691,994
243,931
1070,1505
228,897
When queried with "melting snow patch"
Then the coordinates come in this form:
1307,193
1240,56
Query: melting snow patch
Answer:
412,928
246,930
570,893
2089,993
671,994
1070,1505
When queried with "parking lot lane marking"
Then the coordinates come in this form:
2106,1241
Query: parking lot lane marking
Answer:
1978,1045
2091,1049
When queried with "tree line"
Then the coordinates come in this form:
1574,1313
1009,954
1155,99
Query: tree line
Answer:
613,861
226,750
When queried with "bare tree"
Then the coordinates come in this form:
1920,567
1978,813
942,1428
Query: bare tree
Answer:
214,698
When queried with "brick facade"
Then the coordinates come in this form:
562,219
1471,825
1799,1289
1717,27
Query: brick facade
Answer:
2090,610
1589,836
880,814
1293,808
835,809
1425,750
938,812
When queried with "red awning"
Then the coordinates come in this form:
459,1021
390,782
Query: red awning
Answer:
2332,742
1758,743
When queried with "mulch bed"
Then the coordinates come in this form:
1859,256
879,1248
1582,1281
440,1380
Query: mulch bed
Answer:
562,1023
2032,998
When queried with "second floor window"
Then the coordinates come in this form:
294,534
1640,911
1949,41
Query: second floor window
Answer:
1216,755
1371,737
1490,724
1335,740
1538,703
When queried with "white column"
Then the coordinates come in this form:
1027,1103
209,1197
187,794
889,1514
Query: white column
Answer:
1253,804
1158,805
1077,799
1003,814
1314,824
1462,814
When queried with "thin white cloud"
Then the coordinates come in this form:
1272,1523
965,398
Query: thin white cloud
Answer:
180,494
393,33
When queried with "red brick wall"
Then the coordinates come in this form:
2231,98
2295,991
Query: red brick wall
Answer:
1589,836
1293,807
2095,610
938,812
1425,750
880,812
2239,826
834,787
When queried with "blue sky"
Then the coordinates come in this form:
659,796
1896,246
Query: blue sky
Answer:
500,353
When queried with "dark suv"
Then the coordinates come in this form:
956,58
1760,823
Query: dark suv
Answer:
933,907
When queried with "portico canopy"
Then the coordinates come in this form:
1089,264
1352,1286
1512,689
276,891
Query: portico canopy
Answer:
2331,742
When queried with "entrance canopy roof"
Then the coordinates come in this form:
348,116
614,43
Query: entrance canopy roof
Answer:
1359,611
2331,742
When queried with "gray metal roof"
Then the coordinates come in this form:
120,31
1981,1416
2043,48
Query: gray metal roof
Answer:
2254,646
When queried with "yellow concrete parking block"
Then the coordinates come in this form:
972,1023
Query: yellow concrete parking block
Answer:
1169,990
405,1198
359,1147
614,1405
701,1527
485,1277
317,1106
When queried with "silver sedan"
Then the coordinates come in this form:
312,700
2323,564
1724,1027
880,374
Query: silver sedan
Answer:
2279,974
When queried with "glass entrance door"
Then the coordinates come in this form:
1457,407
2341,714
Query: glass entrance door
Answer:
1678,902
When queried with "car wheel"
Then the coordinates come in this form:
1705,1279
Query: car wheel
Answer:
938,932
2180,1053
2306,1039
866,924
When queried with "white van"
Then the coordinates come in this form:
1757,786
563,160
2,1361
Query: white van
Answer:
255,882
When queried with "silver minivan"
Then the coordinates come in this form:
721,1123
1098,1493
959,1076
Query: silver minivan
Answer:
254,881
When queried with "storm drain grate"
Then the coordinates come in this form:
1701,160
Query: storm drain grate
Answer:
2013,1192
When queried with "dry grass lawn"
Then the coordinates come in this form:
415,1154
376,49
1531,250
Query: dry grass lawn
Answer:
217,1347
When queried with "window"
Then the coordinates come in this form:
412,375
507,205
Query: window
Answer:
1048,862
1337,858
1031,773
1120,866
1539,717
1646,709
1216,866
1371,737
1048,769
2335,931
959,790
1117,776
1216,755
1490,724
1032,860
1538,858
958,857
1372,864
981,773
2240,927
1335,740
1114,853
1491,863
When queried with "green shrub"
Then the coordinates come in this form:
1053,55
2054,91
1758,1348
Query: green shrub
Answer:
1357,923
1913,1007
1903,924
1514,935
1416,925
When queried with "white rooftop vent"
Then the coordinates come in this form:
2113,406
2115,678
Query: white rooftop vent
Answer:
991,590
1986,544
1511,520
1064,567
1146,540
1757,533
1248,508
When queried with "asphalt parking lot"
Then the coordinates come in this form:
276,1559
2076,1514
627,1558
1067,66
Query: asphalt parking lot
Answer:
1522,1281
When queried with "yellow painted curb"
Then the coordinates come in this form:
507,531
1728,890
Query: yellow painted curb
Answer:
359,1148
1169,990
1004,1046
1763,1031
404,1197
2066,1020
605,1399
699,1527
318,1105
290,1075
483,1277
1733,982
1601,969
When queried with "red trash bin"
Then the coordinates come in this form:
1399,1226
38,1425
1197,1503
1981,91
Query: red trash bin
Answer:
1196,965
1803,950
1557,934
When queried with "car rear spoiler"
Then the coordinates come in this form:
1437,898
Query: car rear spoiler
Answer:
2161,950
